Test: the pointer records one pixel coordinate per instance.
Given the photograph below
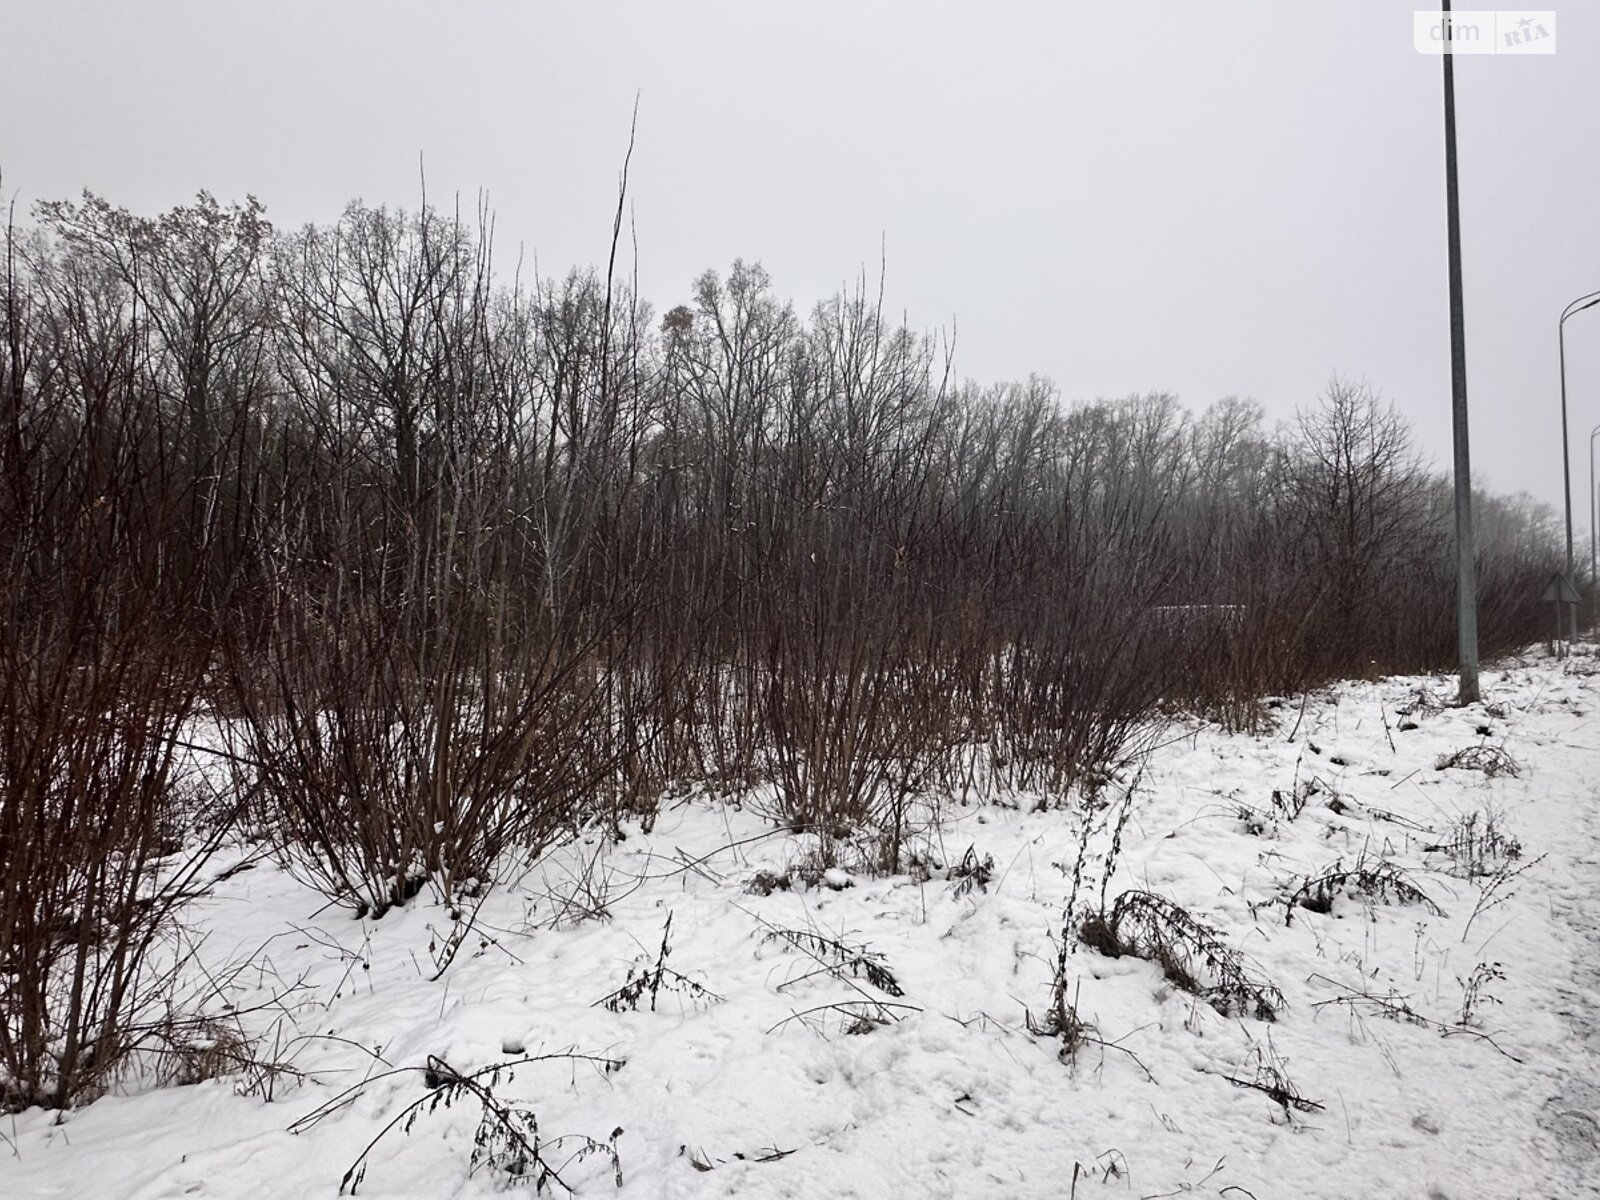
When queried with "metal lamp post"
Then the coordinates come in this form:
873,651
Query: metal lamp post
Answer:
1466,568
1594,519
1571,310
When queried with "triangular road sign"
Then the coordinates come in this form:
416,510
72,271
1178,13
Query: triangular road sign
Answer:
1560,590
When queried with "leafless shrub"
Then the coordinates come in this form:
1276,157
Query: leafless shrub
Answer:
859,1016
1061,1021
1394,818
1379,880
1256,821
1288,805
91,885
1189,952
1291,804
837,959
764,883
1123,810
507,1143
1394,1006
1491,760
578,887
1423,702
180,1047
1269,1075
191,1027
730,730
846,743
1061,1018
1496,885
1097,932
270,1063
1477,844
1071,917
1475,992
648,982
1116,820
382,775
971,873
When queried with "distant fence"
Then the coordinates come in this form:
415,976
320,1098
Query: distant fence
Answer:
1195,618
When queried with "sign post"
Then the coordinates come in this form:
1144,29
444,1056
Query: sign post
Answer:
1560,591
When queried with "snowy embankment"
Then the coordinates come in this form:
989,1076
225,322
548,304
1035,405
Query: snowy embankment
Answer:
830,1035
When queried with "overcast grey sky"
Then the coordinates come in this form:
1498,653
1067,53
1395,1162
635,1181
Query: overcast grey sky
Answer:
1208,198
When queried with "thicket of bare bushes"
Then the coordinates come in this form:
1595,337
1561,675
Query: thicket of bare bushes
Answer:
108,611
460,564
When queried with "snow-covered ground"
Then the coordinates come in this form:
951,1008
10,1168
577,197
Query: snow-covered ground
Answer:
798,1072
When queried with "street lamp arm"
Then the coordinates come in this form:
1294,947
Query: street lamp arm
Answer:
1578,305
